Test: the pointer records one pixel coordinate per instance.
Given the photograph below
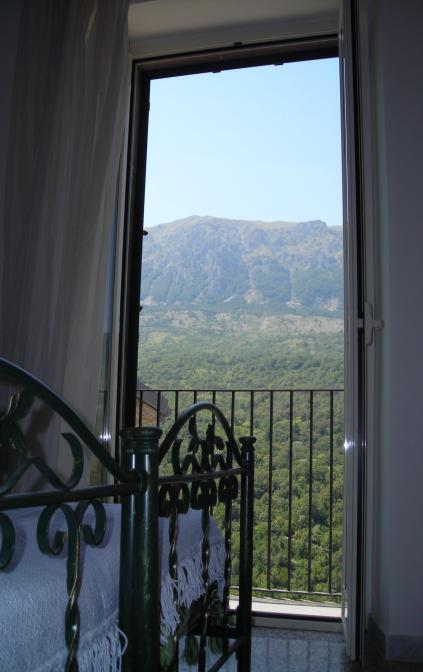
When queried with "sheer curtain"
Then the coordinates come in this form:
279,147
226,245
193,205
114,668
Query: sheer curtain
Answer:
68,106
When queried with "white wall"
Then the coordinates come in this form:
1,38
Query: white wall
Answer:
172,26
396,70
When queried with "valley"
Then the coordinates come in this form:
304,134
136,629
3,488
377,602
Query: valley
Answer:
231,305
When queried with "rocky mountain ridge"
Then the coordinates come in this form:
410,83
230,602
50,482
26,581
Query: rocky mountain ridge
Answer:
203,260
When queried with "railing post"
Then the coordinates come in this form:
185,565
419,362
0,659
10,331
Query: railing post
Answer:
139,601
246,552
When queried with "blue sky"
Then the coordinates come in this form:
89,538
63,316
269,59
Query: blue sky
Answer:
257,143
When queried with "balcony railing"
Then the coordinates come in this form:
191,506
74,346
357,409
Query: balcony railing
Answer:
298,481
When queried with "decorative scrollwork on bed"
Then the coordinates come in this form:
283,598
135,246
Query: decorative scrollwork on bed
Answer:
207,454
12,437
203,455
173,497
78,526
207,470
76,529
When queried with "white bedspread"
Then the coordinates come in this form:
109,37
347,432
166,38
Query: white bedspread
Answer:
33,594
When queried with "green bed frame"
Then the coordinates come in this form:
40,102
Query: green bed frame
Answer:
209,470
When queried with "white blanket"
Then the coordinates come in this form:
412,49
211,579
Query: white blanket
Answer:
33,594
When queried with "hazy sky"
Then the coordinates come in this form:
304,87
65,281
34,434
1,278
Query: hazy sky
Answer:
258,143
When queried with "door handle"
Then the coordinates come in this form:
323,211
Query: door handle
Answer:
371,324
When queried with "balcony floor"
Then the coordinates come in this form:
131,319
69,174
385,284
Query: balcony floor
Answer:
329,612
276,650
279,650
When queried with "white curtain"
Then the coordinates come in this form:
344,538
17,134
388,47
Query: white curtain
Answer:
68,106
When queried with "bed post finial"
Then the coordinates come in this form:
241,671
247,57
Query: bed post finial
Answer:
139,616
139,440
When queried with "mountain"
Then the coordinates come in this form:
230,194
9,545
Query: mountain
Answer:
207,261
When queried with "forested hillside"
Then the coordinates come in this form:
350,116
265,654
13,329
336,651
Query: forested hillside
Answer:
263,313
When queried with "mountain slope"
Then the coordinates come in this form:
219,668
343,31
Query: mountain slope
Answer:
209,260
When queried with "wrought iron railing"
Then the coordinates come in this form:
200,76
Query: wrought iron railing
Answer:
298,483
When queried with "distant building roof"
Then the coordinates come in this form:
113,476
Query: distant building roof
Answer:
150,397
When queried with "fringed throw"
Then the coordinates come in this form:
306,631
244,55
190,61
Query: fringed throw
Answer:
105,653
189,587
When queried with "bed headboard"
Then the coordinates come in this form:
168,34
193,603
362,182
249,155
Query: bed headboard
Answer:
209,470
128,482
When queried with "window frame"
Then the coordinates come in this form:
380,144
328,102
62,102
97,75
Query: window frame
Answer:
236,56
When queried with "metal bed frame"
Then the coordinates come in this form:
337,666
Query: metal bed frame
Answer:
208,471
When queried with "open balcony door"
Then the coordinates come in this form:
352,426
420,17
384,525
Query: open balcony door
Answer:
360,322
357,325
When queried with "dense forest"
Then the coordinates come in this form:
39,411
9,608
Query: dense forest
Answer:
254,306
188,348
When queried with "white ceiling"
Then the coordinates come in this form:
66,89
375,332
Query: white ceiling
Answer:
163,26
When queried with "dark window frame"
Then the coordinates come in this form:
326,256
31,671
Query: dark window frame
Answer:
233,57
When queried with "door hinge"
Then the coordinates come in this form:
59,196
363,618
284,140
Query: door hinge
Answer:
370,323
